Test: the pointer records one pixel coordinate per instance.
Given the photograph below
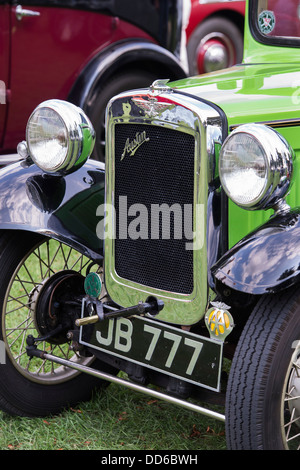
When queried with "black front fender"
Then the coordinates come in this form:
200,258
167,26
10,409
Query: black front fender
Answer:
63,208
129,54
266,261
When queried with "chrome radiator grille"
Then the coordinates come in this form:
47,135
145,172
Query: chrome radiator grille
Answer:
160,172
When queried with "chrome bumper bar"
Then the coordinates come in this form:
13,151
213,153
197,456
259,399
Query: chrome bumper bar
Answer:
133,386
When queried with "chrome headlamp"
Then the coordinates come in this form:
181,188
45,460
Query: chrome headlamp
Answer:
255,166
59,137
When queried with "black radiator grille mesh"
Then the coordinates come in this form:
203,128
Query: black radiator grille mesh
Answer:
160,172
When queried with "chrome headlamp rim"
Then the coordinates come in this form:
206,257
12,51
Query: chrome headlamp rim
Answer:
278,156
79,131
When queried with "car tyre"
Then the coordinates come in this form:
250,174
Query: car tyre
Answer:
263,393
128,80
215,44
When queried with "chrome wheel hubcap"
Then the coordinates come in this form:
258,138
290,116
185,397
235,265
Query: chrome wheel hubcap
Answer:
215,52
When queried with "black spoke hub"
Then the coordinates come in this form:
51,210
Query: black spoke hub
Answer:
56,305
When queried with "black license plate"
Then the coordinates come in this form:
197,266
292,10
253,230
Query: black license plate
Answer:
167,349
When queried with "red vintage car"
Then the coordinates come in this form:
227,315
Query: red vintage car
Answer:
84,52
215,34
88,51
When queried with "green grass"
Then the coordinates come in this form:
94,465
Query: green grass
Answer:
116,419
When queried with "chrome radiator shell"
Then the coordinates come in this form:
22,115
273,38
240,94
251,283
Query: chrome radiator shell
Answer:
167,112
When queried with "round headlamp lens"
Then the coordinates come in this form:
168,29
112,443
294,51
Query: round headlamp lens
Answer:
243,169
60,137
47,139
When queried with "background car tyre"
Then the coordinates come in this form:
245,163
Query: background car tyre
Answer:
127,80
215,44
36,387
263,394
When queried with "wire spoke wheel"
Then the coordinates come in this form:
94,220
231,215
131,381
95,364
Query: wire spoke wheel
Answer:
41,290
19,315
291,404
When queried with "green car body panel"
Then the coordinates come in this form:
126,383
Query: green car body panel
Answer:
258,90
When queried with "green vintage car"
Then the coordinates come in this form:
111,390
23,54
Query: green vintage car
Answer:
179,262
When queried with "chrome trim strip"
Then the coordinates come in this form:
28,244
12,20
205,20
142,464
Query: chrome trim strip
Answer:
274,124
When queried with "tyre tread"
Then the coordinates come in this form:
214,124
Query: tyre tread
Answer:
251,364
